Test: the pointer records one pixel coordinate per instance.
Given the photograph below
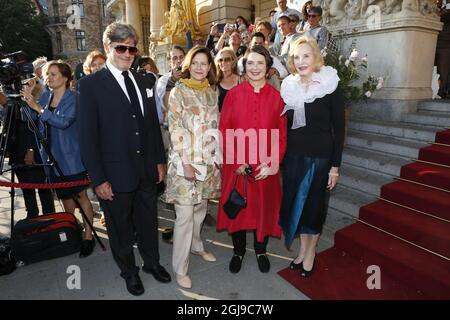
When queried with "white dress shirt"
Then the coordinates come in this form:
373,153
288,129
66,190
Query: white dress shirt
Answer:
121,80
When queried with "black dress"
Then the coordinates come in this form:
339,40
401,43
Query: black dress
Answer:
311,151
222,94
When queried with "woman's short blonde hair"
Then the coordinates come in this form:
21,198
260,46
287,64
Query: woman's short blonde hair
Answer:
318,59
234,66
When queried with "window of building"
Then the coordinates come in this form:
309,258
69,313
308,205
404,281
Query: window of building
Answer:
59,44
80,4
104,8
81,40
55,8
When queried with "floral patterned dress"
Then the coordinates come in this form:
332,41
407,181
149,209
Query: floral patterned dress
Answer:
194,137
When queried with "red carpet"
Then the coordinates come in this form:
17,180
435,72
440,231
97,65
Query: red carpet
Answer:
443,137
436,153
432,175
407,271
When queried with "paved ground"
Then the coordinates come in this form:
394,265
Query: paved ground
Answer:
100,277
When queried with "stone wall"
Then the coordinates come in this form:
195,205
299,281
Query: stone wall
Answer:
399,38
221,11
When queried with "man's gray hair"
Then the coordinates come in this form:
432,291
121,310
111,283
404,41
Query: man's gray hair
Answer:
39,62
119,32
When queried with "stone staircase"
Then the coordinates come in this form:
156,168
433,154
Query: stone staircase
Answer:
374,153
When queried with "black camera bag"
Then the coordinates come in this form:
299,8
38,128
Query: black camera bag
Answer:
45,237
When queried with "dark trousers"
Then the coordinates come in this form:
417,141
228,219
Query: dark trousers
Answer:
240,241
35,175
133,216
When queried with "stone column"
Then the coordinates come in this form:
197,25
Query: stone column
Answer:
134,18
157,9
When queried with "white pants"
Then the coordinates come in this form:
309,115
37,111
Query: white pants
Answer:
186,234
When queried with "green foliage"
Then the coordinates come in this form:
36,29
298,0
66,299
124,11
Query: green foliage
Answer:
21,28
349,71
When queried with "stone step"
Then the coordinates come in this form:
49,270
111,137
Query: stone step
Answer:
362,179
397,130
336,220
373,161
434,106
431,119
391,145
349,200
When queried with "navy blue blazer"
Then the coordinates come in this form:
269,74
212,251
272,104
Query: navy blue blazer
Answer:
64,140
108,131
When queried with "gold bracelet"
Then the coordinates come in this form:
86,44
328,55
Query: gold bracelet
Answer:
333,174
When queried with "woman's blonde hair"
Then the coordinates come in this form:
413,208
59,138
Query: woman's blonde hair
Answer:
90,59
318,59
186,74
234,67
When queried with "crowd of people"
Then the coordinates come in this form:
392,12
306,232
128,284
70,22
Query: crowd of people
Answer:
254,112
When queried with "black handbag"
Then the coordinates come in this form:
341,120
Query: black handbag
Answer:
236,201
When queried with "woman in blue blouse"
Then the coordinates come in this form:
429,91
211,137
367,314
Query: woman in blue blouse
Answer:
56,114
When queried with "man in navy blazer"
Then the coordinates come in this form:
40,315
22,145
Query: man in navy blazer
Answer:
122,149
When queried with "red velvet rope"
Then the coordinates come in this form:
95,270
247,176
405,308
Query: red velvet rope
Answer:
60,185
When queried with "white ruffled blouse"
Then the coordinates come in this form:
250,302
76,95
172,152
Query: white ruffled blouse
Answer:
295,96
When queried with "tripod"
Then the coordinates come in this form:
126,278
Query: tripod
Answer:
14,109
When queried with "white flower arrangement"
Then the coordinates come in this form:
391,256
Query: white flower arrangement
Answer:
349,71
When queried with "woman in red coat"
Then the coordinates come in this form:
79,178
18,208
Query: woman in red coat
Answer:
254,135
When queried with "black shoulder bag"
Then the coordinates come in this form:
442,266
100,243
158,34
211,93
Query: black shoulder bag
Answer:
236,201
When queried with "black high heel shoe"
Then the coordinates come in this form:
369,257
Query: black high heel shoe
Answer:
296,266
308,273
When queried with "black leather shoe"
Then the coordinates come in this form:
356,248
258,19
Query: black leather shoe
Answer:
296,266
235,263
87,247
134,285
158,272
308,273
263,263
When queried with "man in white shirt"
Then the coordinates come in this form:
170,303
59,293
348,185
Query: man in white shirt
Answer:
277,69
122,149
166,83
289,35
283,10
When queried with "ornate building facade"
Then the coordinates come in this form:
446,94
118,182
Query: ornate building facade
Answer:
75,31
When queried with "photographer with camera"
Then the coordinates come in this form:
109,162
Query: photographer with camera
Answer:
23,155
55,114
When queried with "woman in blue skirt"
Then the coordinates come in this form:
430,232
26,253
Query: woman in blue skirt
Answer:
315,141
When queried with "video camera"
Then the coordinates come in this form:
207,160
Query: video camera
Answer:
14,69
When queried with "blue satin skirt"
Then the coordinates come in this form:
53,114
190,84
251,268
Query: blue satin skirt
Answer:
305,196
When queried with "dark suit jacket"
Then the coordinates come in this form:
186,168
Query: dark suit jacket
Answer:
108,131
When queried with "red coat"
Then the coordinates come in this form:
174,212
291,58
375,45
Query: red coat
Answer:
244,109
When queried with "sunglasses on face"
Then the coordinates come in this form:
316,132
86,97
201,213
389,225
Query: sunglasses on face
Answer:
120,49
226,59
